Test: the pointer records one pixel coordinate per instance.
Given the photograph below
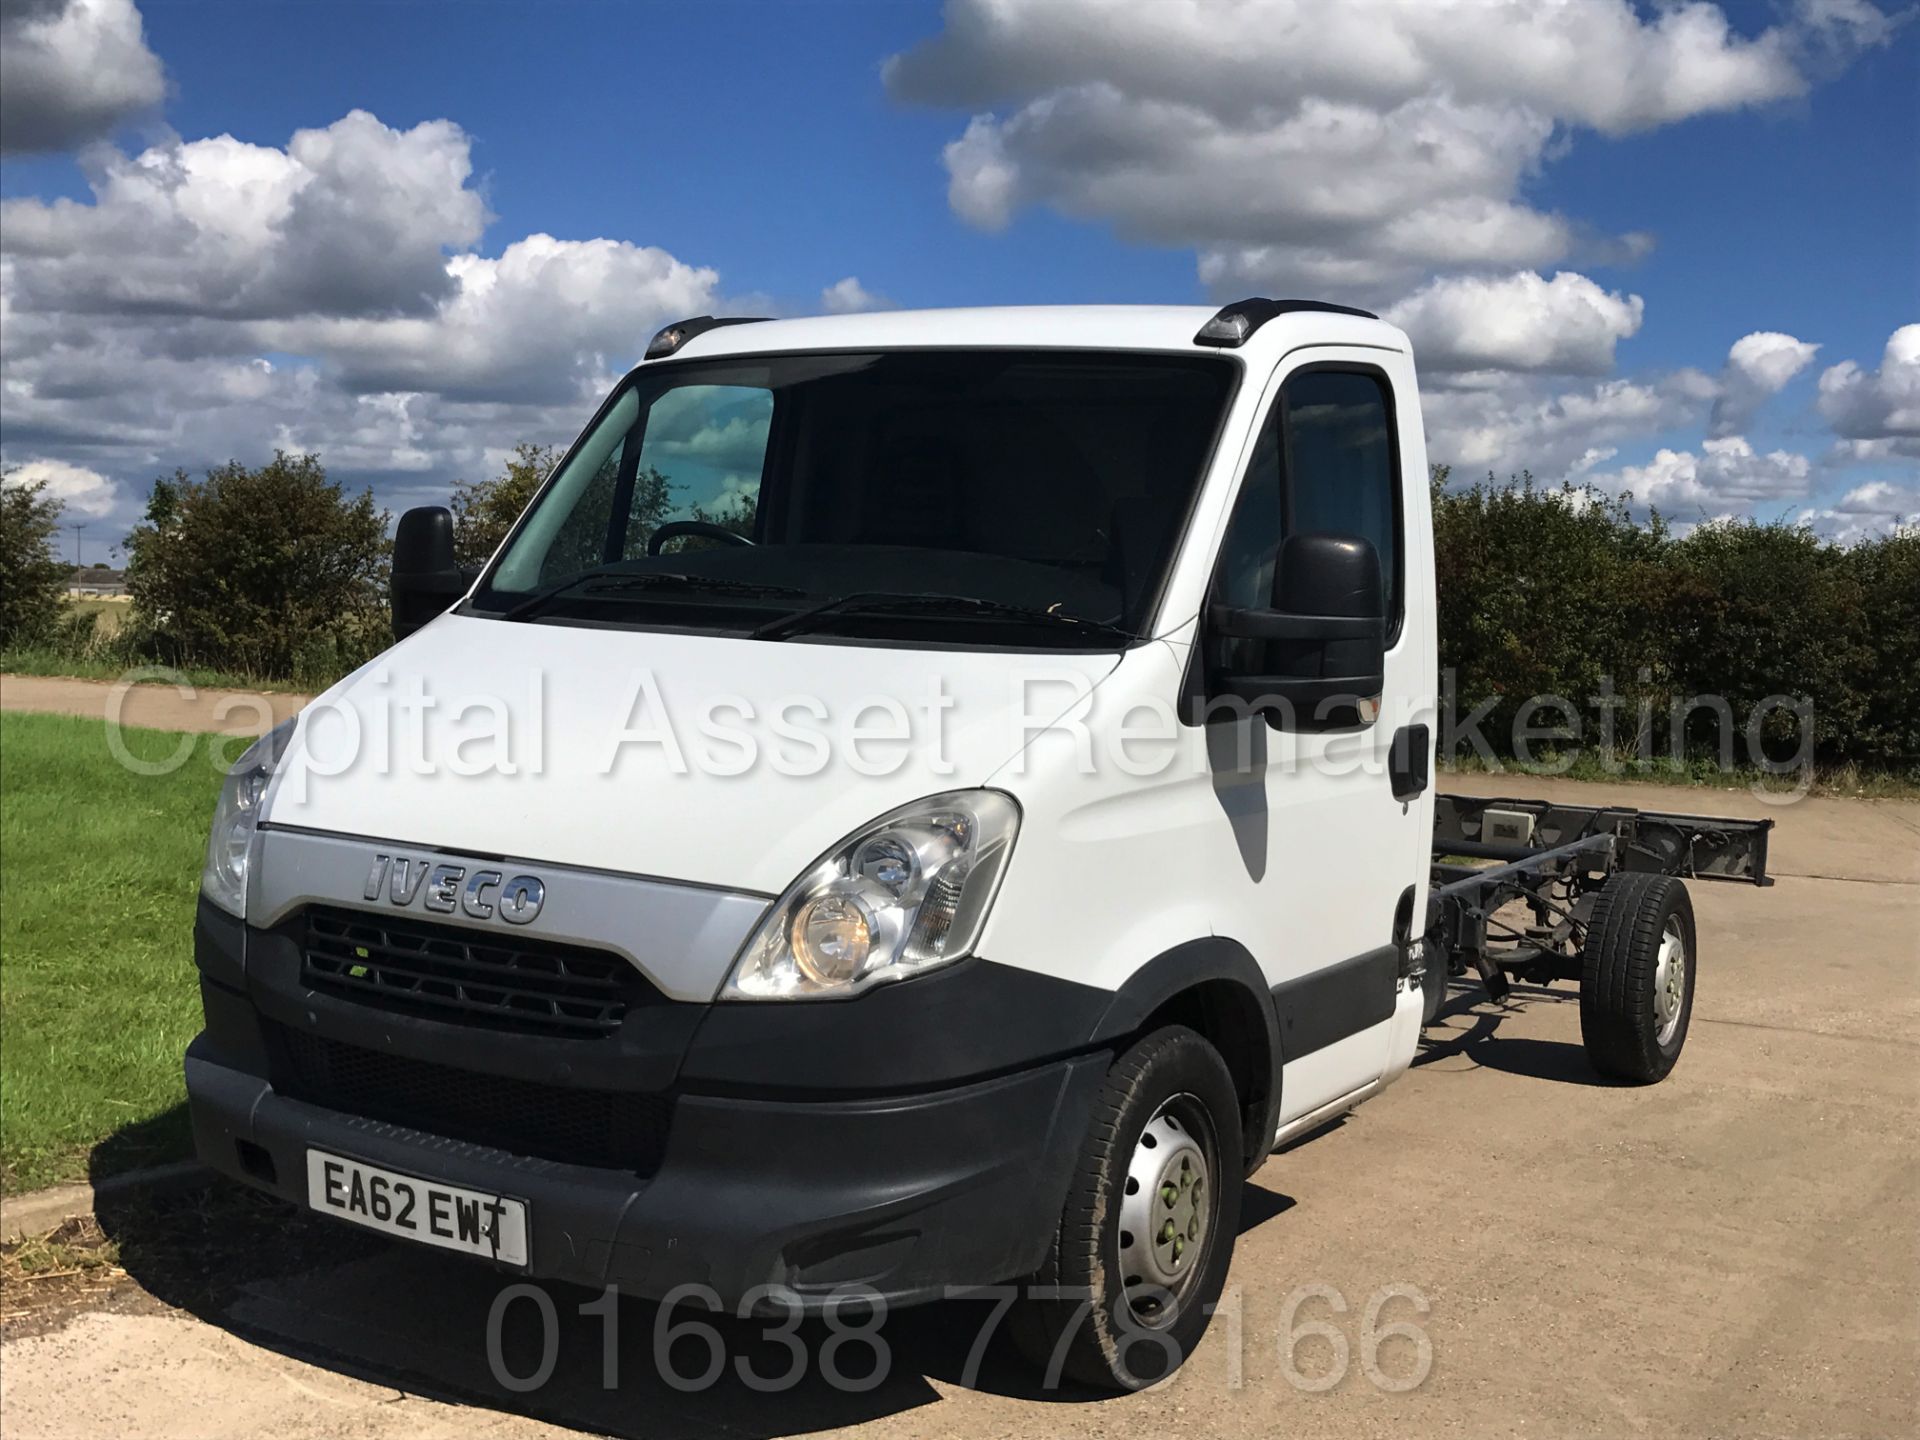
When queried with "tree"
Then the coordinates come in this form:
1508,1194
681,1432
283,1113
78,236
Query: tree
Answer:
273,570
484,510
733,511
33,580
582,541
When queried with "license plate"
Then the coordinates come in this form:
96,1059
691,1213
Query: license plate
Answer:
470,1221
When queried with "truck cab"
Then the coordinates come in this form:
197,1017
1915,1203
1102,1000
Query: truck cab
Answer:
918,801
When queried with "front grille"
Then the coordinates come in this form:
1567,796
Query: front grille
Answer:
468,976
609,1129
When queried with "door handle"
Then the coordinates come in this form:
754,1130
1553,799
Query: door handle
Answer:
1410,766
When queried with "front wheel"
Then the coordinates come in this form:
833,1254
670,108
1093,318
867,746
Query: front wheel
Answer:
1636,978
1147,1231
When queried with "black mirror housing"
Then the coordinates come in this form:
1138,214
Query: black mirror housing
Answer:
1321,648
426,576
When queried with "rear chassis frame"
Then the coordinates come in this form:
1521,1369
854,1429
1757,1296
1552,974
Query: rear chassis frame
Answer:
1575,850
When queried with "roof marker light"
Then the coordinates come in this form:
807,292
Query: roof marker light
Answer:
1224,329
1230,328
671,337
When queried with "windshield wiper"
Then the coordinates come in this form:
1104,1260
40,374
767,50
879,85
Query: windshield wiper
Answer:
888,602
600,583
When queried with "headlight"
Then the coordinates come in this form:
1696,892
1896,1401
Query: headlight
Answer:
236,817
906,895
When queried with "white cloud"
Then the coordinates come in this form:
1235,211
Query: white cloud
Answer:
1875,508
1726,471
1503,421
70,71
547,321
1508,424
1331,196
1880,497
1836,30
1758,367
849,296
355,219
1566,325
84,492
1597,62
1347,148
1769,359
1878,411
1867,452
217,299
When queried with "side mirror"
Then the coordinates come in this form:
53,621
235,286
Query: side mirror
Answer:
1317,659
426,577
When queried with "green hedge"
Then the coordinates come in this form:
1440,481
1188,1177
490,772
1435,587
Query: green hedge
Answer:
1562,592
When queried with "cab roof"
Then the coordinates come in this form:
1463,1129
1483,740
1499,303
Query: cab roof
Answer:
1088,327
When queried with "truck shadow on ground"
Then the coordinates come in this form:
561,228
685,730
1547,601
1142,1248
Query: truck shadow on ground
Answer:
1468,1028
442,1327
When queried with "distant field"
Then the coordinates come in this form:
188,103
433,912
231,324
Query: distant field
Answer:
109,615
100,868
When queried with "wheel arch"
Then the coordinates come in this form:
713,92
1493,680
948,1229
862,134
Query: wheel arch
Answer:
1214,986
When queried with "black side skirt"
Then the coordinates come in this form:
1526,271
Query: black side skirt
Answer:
1331,1004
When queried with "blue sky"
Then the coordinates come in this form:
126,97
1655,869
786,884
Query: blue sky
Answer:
1757,178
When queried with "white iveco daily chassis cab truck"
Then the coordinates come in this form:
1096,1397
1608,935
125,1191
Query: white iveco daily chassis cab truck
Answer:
955,797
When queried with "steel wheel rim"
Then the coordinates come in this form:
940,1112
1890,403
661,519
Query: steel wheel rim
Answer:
1670,982
1167,1210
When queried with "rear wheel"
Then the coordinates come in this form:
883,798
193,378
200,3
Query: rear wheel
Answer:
1637,973
1147,1231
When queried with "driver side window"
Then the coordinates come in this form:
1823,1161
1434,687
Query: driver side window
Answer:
1325,461
702,457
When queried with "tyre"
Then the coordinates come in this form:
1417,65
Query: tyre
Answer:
1147,1230
1636,977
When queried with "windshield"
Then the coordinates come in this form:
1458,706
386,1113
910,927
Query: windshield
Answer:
1019,498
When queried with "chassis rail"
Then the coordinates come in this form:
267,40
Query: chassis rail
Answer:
1555,859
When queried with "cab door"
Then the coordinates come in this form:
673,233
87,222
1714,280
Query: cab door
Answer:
1345,822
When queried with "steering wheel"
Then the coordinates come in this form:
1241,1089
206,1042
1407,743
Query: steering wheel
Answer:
674,529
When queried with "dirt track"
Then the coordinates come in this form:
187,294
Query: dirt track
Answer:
154,707
1732,1252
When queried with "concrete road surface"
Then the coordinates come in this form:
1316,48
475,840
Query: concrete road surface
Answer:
1732,1252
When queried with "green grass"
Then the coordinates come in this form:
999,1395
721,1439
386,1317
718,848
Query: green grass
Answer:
99,868
43,660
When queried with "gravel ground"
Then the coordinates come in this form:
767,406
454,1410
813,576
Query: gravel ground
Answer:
152,707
